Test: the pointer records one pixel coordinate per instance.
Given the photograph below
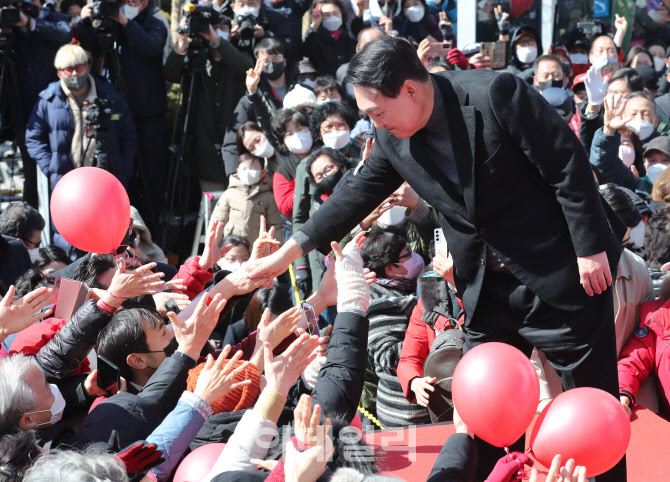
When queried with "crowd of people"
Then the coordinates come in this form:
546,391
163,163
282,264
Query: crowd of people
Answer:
209,351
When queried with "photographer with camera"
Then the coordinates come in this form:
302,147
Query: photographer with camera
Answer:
140,38
31,34
56,136
219,84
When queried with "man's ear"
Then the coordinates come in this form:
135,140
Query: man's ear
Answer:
26,422
136,361
411,88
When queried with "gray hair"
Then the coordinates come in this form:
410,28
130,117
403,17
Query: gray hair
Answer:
16,397
68,466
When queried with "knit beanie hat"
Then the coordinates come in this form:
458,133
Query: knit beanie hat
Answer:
238,399
297,97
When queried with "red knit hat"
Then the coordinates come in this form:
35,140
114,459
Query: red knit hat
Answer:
238,399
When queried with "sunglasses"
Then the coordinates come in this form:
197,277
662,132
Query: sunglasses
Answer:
79,69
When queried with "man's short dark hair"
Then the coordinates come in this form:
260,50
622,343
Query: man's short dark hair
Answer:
547,58
657,238
90,269
20,220
382,248
336,156
622,204
385,64
271,46
644,95
51,253
634,80
322,111
327,83
125,334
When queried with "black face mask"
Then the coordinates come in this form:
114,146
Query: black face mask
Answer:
545,84
171,347
327,184
273,70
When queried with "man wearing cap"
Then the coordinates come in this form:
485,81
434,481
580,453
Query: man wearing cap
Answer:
656,157
534,245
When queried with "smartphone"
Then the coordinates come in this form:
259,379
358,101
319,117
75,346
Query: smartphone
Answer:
312,324
438,49
108,373
440,241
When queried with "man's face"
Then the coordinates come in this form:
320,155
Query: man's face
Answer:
400,116
238,4
78,70
157,339
603,45
641,108
32,242
267,58
656,157
137,3
619,86
525,41
548,70
35,379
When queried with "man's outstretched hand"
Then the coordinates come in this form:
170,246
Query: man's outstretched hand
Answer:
275,264
594,273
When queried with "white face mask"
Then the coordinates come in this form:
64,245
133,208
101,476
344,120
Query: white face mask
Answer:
394,216
526,55
75,20
603,60
299,143
249,176
659,64
579,58
637,235
654,171
34,254
247,11
332,23
264,149
627,155
336,139
230,266
642,127
414,266
56,408
415,14
319,102
222,34
130,12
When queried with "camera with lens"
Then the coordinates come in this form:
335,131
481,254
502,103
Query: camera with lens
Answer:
12,16
199,18
246,24
97,116
102,9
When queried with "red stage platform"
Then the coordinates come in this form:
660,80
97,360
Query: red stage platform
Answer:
410,455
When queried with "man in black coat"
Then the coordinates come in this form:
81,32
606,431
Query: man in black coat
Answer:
516,198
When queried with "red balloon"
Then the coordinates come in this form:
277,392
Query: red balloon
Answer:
585,424
198,463
496,392
91,210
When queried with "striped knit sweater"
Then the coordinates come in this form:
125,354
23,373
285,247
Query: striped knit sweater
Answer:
389,314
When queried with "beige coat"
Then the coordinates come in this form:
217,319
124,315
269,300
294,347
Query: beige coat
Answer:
241,206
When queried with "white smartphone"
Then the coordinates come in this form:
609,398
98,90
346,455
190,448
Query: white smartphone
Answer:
440,240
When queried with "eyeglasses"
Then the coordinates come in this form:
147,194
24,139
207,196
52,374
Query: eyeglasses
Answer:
79,68
325,173
339,126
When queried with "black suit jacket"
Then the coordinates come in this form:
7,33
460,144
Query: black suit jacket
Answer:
528,190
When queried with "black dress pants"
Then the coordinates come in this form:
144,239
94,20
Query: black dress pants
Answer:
580,344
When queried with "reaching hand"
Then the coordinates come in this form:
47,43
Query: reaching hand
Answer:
613,117
91,385
254,77
307,423
502,19
133,283
387,24
421,387
274,333
265,243
596,87
275,264
405,196
20,314
620,23
163,297
309,465
510,467
460,424
217,378
193,333
212,253
556,473
241,282
625,404
353,290
361,6
422,51
594,273
140,457
481,61
369,147
283,370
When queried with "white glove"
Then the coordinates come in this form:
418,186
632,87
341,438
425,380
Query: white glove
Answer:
596,88
353,292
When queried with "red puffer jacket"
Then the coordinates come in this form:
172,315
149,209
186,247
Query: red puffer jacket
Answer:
648,350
